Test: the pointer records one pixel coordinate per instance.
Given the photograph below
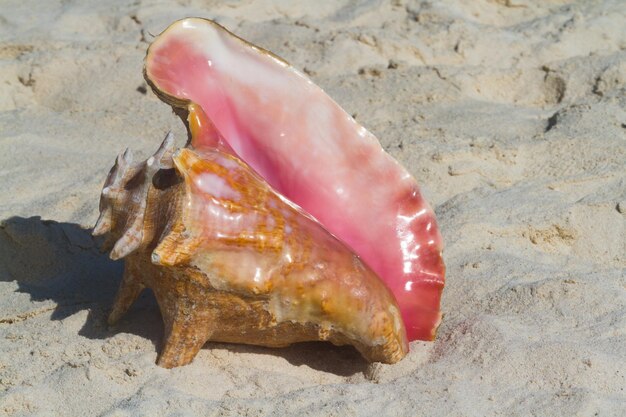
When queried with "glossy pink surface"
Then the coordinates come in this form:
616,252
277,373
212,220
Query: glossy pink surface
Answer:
314,153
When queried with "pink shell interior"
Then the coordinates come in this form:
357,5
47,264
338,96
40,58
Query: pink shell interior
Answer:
309,149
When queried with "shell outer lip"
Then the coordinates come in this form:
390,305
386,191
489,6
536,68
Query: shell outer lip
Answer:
183,103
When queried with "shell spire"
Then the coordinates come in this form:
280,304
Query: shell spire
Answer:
125,191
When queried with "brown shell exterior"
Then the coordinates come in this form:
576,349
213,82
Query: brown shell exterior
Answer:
142,209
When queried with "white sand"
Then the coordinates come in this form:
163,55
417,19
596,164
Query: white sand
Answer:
511,114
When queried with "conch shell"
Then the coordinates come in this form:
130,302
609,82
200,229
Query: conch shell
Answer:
281,221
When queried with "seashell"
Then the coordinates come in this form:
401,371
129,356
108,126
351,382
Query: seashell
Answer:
311,151
231,260
281,221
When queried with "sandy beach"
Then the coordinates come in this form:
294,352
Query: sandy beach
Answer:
511,114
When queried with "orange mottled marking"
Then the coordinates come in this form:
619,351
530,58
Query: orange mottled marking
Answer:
254,197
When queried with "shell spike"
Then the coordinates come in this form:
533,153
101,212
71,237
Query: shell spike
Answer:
129,242
176,248
164,154
127,156
168,142
103,225
121,162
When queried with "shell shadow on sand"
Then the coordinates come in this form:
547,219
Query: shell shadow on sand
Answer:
60,262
